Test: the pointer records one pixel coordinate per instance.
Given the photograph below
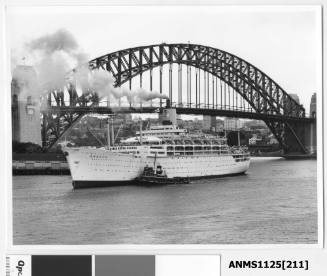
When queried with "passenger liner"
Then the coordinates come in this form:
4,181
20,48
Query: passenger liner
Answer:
179,154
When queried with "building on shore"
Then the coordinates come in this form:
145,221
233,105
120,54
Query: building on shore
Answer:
219,125
25,106
295,97
209,122
313,105
255,139
232,124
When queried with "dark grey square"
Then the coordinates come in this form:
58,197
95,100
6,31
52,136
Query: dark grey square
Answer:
59,265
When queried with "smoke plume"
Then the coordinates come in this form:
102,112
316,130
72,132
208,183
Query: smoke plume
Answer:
102,82
144,95
54,55
61,40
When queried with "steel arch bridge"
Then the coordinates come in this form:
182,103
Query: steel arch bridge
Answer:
256,95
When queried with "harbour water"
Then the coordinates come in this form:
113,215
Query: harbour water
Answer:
275,202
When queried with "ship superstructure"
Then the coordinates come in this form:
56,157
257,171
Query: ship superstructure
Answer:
178,152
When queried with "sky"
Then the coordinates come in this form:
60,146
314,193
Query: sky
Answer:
284,42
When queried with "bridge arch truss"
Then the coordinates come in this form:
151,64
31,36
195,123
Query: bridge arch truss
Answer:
282,114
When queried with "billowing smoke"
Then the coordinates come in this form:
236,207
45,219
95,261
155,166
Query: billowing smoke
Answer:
144,95
52,72
102,82
61,40
54,55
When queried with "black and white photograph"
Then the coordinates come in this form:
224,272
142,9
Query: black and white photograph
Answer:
165,125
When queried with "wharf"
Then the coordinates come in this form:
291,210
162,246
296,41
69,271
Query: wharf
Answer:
299,156
39,164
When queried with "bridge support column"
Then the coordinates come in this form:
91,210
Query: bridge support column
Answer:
311,137
298,133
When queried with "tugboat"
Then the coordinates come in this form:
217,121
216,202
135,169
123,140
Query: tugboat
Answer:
158,177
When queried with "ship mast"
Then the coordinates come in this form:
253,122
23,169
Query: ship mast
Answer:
111,142
155,159
141,139
112,131
238,138
108,132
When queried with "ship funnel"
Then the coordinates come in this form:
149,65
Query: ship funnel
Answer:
168,115
168,103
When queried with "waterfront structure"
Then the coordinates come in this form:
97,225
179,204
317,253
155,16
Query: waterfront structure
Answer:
25,106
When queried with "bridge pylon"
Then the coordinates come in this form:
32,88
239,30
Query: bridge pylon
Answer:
300,137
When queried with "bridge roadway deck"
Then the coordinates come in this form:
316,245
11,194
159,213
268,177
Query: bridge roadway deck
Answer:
179,110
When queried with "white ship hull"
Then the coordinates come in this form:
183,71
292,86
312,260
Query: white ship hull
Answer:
100,167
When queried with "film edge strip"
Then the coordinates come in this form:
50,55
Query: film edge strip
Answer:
91,265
